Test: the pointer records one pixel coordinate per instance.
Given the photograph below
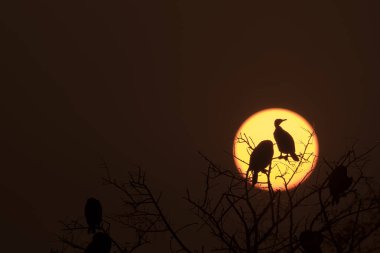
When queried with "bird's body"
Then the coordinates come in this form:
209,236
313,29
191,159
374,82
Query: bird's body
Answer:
101,243
284,140
93,213
311,241
260,158
339,182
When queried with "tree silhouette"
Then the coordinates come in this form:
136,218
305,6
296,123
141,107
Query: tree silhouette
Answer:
242,218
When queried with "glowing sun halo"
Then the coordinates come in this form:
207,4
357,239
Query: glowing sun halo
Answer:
259,127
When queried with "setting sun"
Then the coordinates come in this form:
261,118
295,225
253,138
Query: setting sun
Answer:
259,127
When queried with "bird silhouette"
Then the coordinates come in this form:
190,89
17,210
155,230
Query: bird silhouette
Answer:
101,243
260,158
284,140
311,241
93,213
339,182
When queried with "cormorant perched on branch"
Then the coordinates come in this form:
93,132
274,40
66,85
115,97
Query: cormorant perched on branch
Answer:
311,241
93,213
339,182
261,157
101,243
284,140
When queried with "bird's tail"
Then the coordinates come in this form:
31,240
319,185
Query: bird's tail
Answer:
254,178
294,156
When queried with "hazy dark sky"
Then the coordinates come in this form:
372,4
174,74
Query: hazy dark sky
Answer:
152,82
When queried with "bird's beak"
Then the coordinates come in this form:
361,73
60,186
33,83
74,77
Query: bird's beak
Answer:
284,119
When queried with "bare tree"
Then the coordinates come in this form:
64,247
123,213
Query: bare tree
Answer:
242,218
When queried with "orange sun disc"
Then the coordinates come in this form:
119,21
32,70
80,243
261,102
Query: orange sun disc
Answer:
283,173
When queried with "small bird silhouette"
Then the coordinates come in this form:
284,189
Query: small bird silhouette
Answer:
284,140
311,241
93,213
260,158
101,243
339,182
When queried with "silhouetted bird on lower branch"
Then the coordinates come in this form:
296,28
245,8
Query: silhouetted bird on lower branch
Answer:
101,243
311,241
261,158
93,213
339,182
284,140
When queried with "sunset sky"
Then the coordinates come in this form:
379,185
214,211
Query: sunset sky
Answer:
151,83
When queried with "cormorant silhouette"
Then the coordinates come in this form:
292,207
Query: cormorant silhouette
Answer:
93,213
339,182
284,140
101,243
260,158
311,241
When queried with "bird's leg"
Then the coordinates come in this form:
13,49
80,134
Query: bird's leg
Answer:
247,175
